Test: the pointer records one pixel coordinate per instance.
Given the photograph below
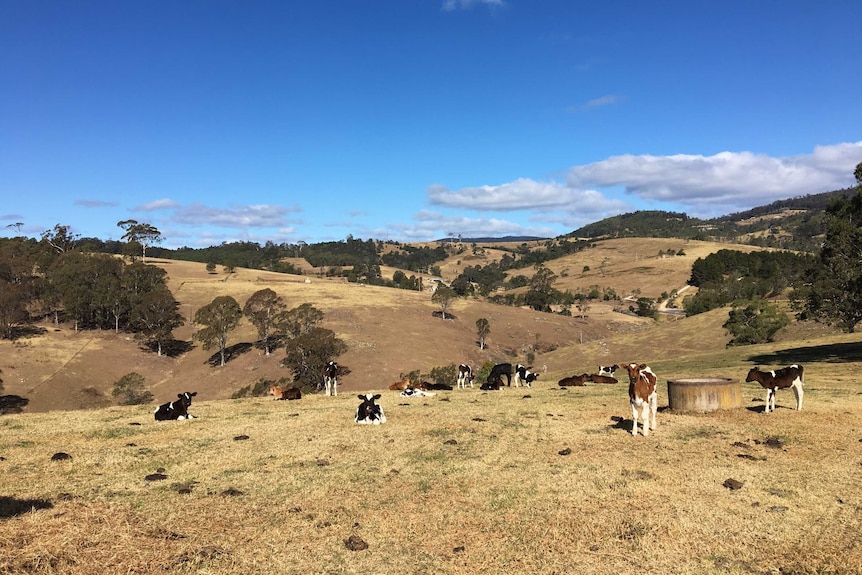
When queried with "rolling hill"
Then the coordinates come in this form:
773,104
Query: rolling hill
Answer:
389,332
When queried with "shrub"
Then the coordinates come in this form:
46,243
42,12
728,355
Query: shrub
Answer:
130,390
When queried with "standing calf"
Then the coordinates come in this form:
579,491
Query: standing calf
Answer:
642,396
782,378
330,378
465,376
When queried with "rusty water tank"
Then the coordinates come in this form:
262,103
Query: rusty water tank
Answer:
703,394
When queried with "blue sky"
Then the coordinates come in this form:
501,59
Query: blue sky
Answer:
409,120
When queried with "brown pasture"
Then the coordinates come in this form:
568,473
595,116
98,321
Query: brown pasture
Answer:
541,480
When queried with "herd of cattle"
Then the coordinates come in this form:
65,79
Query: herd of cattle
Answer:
642,390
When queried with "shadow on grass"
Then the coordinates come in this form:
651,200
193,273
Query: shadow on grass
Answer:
831,353
171,348
230,353
11,507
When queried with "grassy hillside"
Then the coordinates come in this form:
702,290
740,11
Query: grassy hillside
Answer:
541,480
389,332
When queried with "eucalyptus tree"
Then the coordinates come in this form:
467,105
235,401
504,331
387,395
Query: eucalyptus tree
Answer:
832,293
263,309
155,316
219,318
143,233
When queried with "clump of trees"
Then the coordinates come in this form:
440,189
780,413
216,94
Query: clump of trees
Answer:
130,390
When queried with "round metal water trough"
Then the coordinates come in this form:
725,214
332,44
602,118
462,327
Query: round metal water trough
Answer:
703,393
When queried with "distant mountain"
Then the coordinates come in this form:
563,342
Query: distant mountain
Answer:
794,223
489,239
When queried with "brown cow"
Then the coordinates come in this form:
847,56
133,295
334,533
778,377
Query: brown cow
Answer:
642,395
599,378
574,380
400,385
288,393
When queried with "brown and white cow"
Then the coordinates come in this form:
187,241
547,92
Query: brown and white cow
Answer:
642,396
772,381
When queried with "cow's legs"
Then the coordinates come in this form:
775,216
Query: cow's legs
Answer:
653,401
634,419
645,409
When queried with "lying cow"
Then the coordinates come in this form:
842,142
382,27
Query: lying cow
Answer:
599,378
12,404
178,409
574,380
400,385
288,393
369,412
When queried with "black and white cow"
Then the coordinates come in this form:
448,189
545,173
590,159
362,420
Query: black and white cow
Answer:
330,378
608,370
791,376
369,412
178,409
499,370
465,376
523,376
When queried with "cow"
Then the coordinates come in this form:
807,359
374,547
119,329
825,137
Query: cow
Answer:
465,376
330,378
524,376
492,384
369,412
574,380
608,369
12,404
783,378
178,409
413,392
400,385
642,396
599,378
500,370
428,386
288,393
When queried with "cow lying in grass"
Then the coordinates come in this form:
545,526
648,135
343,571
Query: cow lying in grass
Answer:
369,412
288,393
783,378
12,404
574,380
178,409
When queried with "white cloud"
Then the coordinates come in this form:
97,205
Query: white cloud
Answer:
730,180
450,5
264,216
95,203
518,195
163,204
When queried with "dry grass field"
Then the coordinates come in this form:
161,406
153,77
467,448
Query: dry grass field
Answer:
541,480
